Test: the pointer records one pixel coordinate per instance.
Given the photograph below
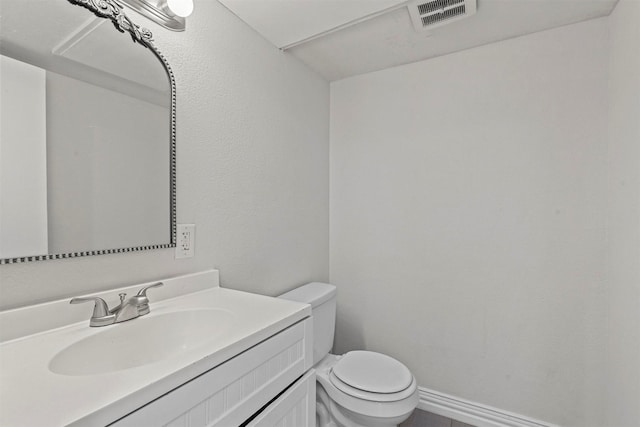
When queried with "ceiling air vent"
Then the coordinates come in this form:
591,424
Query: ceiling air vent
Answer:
428,14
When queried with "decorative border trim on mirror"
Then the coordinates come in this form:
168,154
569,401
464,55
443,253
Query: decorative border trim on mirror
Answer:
111,9
85,253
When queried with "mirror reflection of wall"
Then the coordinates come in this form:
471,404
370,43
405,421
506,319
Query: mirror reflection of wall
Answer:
23,160
85,134
108,174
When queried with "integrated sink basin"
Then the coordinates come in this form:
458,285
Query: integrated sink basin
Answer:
142,341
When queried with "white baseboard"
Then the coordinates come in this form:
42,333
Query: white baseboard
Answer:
471,412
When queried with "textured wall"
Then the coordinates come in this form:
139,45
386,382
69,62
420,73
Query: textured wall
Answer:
622,394
467,220
252,170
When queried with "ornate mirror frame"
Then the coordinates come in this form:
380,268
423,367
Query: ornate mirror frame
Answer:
111,9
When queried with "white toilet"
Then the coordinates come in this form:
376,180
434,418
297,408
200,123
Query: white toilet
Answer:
359,388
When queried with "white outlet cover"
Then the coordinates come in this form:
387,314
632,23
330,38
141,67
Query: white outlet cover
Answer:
186,241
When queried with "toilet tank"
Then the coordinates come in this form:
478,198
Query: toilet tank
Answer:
322,298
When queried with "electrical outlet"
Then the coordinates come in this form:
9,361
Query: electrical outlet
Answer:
186,244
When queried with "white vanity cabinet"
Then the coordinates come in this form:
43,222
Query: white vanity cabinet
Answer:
240,389
204,356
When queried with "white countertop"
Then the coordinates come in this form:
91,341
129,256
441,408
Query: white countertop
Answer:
32,395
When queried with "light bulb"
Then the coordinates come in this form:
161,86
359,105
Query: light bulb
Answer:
181,8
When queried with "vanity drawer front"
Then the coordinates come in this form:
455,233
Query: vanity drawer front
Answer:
295,407
233,391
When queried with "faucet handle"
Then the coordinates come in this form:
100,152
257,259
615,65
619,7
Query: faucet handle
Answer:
143,291
143,301
100,314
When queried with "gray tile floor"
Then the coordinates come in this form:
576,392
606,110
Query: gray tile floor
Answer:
427,419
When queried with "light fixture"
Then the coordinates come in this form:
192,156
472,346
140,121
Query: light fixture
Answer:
181,8
170,14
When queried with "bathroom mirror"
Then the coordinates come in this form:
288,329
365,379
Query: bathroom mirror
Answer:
87,132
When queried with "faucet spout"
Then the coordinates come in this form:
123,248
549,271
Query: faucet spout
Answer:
127,310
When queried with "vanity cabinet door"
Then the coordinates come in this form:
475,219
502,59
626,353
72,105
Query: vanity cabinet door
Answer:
295,407
232,392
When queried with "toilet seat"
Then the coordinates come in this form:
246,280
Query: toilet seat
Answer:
372,376
370,396
372,372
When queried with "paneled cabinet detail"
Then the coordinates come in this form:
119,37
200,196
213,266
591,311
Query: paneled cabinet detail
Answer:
295,407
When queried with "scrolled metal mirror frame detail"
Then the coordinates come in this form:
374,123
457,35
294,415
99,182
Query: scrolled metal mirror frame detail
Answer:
110,9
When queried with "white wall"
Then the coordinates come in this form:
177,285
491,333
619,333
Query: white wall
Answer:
623,244
467,220
23,160
252,170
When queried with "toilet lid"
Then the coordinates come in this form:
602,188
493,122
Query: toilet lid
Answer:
372,372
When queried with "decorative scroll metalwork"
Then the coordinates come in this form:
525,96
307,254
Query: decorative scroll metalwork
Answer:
110,9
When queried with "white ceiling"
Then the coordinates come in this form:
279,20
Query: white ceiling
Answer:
385,40
287,22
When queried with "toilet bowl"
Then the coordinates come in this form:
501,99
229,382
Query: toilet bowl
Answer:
359,388
352,402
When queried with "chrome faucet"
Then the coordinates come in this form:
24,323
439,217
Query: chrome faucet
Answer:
136,306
